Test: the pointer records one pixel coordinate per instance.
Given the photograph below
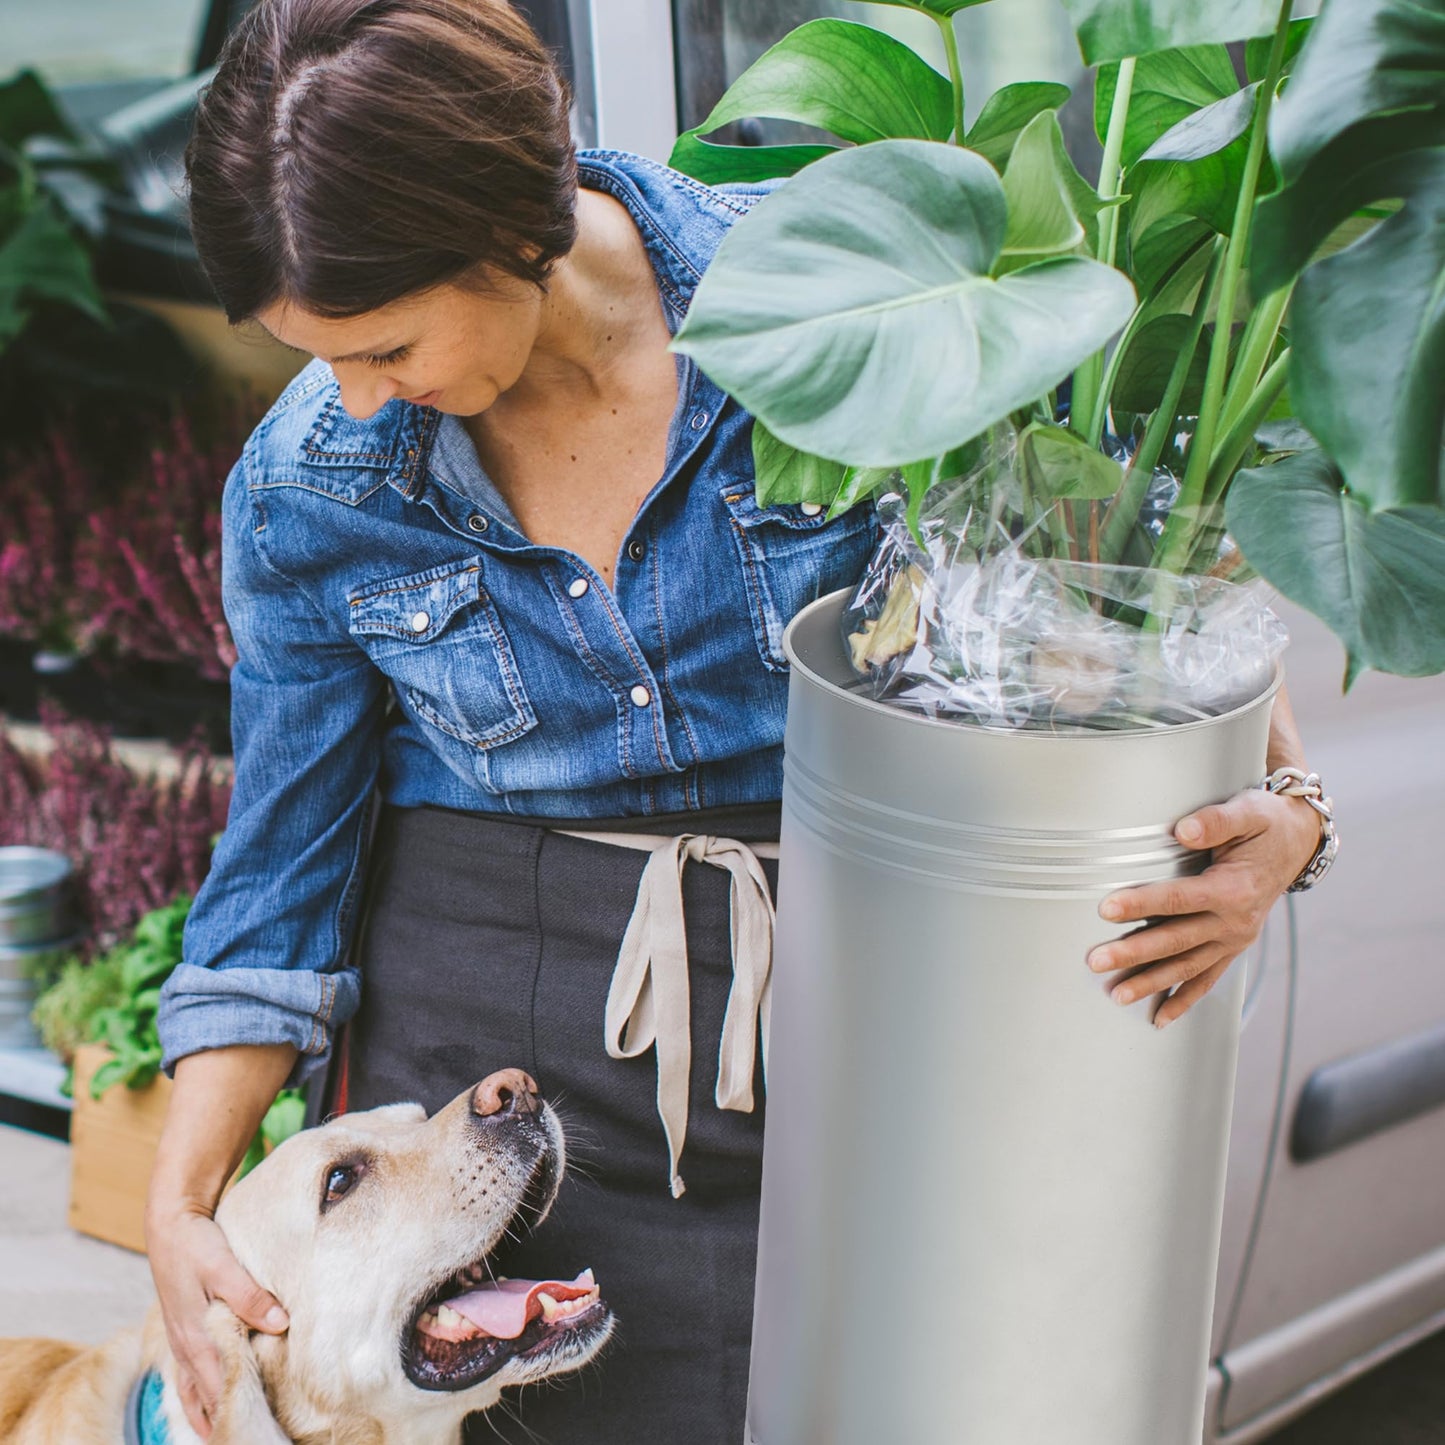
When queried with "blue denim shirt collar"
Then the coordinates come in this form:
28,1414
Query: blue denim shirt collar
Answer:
402,441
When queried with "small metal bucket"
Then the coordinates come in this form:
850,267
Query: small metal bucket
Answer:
34,904
18,990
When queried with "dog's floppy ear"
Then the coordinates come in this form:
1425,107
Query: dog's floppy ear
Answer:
243,1417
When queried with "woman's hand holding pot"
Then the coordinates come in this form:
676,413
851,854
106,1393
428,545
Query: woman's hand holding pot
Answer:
1199,925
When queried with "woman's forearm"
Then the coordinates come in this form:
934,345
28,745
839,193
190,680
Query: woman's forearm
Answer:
217,1103
1286,747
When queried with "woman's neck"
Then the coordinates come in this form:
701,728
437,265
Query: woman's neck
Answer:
600,308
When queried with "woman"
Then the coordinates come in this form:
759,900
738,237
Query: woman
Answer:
495,559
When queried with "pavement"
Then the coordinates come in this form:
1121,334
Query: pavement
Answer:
53,1281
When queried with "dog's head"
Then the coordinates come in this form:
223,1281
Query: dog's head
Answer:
376,1231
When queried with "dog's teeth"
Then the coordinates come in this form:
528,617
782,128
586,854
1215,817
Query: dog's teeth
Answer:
550,1307
448,1318
427,1319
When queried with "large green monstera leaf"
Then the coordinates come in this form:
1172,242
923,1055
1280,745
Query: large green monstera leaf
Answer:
837,75
854,310
1362,121
1374,577
1114,29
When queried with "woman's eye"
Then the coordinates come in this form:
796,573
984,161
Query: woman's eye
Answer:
390,357
339,1182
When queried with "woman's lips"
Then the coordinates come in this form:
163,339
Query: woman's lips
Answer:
426,400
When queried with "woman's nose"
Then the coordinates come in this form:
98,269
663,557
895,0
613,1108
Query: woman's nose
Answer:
365,396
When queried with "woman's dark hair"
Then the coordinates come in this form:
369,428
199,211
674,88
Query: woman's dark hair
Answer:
350,152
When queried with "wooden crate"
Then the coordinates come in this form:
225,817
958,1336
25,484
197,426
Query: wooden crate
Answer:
113,1148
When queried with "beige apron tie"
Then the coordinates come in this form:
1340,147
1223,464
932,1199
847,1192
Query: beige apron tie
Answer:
649,1002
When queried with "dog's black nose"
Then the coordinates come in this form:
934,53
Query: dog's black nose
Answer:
508,1091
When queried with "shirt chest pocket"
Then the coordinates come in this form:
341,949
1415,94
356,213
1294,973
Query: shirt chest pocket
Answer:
791,558
437,636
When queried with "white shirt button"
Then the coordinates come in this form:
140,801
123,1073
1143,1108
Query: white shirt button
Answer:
641,696
420,621
810,509
577,587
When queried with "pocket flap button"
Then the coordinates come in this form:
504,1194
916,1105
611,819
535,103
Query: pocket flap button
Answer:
420,621
810,509
641,696
577,587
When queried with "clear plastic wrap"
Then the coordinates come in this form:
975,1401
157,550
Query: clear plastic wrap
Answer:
970,619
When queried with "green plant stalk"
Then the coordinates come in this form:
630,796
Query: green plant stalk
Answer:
1088,375
1227,457
1240,436
1124,509
1095,435
1126,338
955,71
1177,543
1252,357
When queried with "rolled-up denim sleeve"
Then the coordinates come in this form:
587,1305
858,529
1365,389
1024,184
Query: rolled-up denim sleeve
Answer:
266,944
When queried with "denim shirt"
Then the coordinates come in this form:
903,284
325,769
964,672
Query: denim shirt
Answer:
400,636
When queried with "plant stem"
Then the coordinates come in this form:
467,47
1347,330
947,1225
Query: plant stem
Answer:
1237,440
1088,374
1228,455
1124,509
1252,356
1176,544
1095,435
1126,339
1111,173
955,73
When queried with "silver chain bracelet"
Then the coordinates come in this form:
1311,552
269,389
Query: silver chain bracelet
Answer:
1296,783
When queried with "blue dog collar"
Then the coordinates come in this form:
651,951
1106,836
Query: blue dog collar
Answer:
144,1422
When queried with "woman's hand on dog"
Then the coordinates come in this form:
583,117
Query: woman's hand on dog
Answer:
216,1106
1261,843
193,1265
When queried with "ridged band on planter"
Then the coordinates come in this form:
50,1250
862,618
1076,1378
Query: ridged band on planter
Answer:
991,1197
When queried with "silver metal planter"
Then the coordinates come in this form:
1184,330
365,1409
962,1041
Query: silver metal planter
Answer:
34,924
991,1197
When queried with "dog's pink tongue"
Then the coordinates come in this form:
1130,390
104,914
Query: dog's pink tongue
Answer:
504,1309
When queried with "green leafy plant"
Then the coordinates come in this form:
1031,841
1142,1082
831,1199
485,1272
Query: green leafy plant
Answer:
64,1011
114,999
43,255
128,1026
58,335
1256,249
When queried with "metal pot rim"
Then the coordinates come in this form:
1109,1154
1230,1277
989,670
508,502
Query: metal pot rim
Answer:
836,599
25,871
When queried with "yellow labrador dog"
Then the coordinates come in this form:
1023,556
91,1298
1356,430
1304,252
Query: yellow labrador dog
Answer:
375,1231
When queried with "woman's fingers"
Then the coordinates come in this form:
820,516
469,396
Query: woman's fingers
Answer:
193,1265
1188,994
1220,823
251,1304
191,1401
1174,972
1163,940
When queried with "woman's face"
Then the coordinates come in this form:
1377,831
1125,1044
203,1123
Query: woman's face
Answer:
450,347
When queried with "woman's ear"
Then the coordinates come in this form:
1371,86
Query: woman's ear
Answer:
244,1415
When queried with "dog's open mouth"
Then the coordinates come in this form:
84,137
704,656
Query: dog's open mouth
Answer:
462,1337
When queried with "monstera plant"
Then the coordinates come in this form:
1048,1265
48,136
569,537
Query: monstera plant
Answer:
1251,297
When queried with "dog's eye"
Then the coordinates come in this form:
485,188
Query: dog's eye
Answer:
339,1182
